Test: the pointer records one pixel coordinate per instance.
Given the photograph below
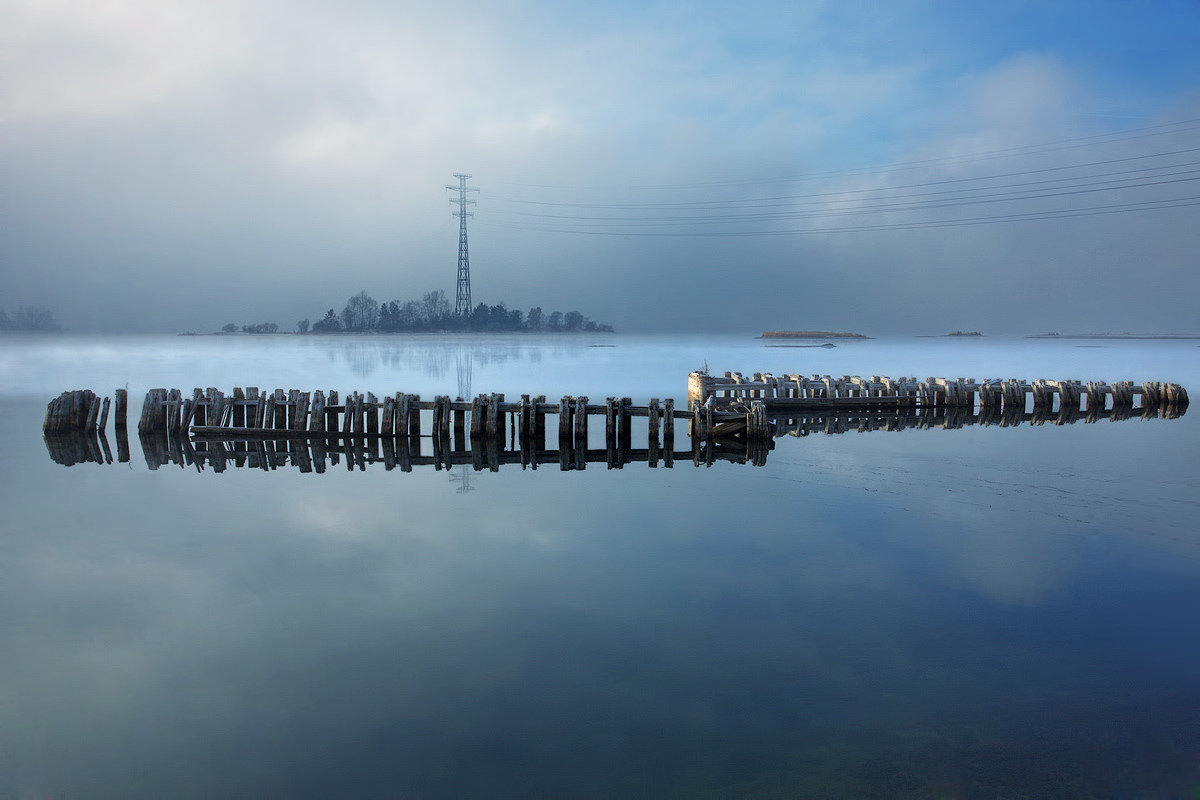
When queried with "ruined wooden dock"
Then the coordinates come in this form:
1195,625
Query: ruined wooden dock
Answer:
729,417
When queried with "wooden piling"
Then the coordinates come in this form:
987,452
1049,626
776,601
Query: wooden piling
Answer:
564,421
153,414
539,419
581,424
121,401
414,417
460,424
652,431
444,421
103,415
610,419
478,415
387,424
371,408
668,432
316,422
331,414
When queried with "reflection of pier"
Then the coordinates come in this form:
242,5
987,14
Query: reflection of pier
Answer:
729,419
319,453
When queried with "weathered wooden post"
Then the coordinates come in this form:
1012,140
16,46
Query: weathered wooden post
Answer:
348,415
103,416
444,423
387,424
539,420
564,422
611,410
331,413
610,420
372,414
669,432
218,406
316,422
239,408
152,412
414,421
625,429
698,386
478,413
581,432
121,401
460,426
302,411
524,420
493,417
652,432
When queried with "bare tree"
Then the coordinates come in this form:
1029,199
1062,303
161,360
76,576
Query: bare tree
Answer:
360,313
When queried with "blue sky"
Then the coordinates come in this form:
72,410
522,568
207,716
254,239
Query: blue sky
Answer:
141,145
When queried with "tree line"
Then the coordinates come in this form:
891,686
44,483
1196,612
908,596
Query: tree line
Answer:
362,313
262,327
30,318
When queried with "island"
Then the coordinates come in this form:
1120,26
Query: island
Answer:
811,335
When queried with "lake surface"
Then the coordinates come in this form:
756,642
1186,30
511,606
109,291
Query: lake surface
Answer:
983,612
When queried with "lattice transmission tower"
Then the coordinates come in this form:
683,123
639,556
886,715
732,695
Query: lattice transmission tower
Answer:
462,294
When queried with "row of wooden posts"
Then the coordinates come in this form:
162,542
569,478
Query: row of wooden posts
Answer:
280,414
723,407
797,391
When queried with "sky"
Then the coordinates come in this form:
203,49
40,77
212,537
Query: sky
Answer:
905,167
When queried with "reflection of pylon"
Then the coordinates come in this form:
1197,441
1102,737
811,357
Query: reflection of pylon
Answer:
464,375
463,478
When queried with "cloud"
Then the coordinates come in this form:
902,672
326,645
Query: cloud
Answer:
249,140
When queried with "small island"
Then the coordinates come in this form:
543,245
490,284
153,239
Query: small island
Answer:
811,335
964,333
431,314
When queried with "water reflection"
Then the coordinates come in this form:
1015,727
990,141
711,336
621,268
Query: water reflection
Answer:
436,359
529,449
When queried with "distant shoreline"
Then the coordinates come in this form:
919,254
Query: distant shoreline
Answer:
811,335
375,332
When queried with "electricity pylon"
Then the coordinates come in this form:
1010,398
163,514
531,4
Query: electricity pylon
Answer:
462,294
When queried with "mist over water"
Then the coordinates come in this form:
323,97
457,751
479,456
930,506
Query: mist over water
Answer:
979,612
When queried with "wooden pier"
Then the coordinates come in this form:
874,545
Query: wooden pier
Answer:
729,418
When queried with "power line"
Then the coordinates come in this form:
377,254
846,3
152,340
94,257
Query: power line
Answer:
874,207
943,182
1043,148
1119,208
1142,174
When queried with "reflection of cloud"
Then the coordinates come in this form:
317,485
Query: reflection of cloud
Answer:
1012,531
854,583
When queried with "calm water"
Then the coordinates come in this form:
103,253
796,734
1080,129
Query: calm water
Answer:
986,612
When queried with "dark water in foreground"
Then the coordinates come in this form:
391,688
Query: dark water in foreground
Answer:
985,612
